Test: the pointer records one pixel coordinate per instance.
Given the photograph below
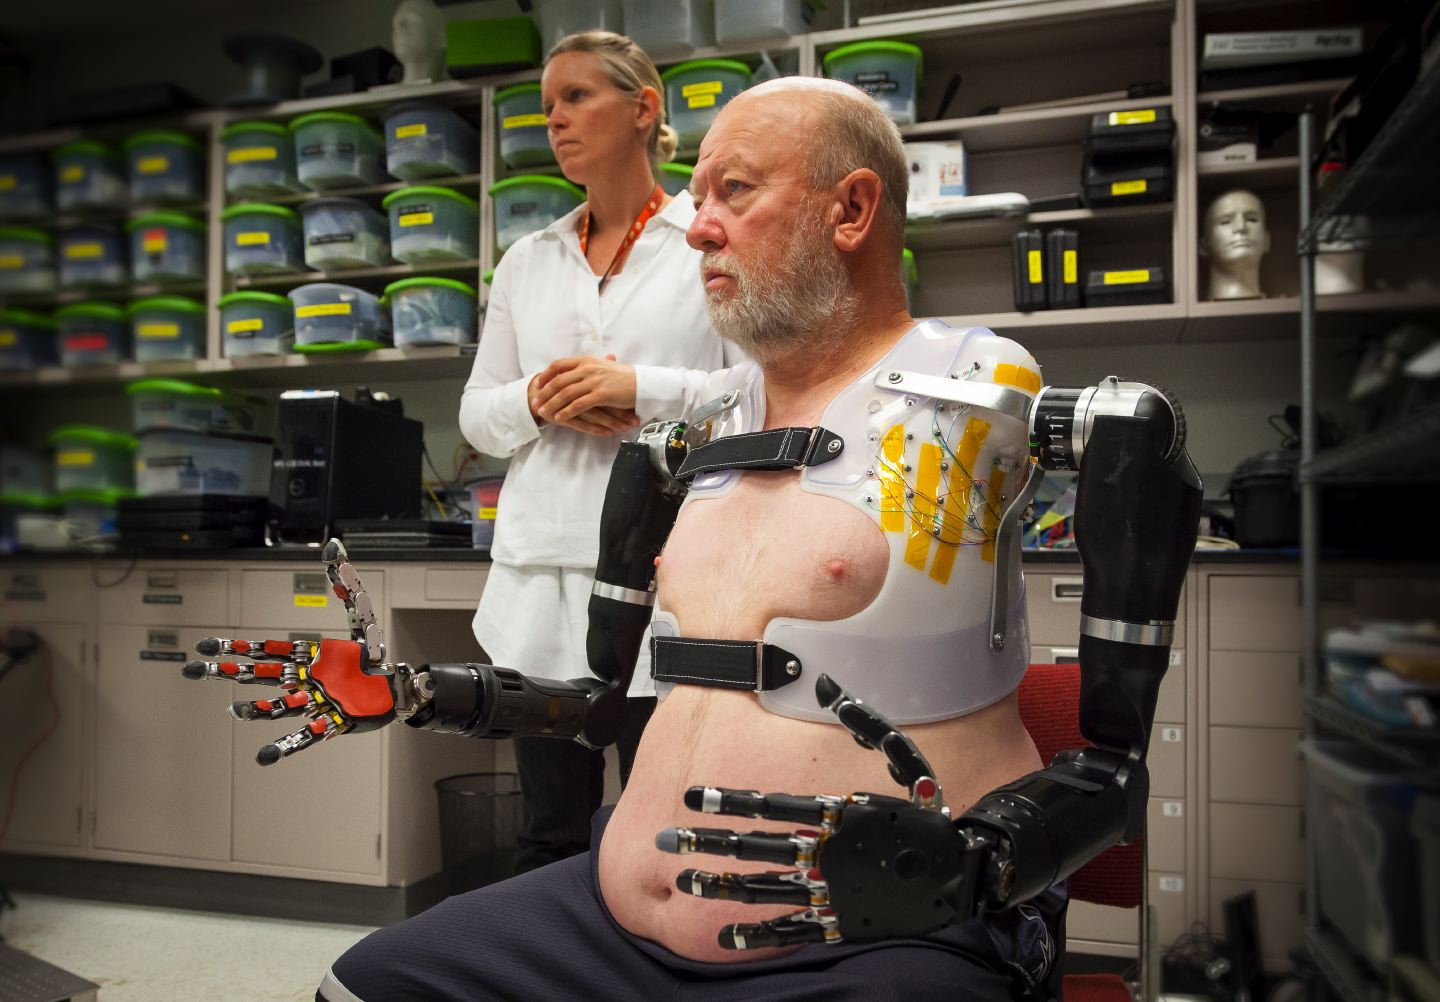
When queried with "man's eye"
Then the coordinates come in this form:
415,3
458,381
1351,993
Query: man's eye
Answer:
734,187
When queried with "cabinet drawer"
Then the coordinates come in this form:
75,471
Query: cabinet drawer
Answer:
1053,604
1254,842
1165,828
300,600
46,594
1281,910
1166,759
168,596
456,584
1085,920
1256,765
1169,705
1252,689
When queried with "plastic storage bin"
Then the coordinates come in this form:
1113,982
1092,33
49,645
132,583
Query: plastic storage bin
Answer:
760,20
170,461
670,28
330,314
491,45
1425,824
262,239
93,334
1358,808
256,323
167,247
675,178
558,18
431,311
24,471
344,233
91,513
167,328
26,191
696,91
172,403
89,175
485,503
91,458
259,160
524,139
27,260
528,203
428,140
27,340
890,72
337,150
432,224
92,255
165,166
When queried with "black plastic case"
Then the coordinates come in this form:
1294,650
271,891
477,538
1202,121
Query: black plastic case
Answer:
1028,268
1062,269
1139,130
1127,287
1129,180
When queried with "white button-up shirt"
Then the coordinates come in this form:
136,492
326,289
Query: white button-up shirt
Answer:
545,303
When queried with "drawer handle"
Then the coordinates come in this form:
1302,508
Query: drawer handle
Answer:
1066,589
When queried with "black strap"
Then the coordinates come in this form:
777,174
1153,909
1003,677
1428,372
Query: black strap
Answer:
724,664
776,449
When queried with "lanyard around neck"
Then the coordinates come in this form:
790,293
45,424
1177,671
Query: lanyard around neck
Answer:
652,205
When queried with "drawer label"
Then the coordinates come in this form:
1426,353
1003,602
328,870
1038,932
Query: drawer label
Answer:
1173,808
1172,734
163,638
83,252
323,310
240,326
153,165
24,595
1140,116
486,512
522,121
1172,885
158,330
1135,187
249,154
163,599
311,601
1136,277
252,238
408,131
162,656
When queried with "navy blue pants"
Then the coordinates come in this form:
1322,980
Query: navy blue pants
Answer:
546,935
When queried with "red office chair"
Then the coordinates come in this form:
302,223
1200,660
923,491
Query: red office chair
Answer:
1050,708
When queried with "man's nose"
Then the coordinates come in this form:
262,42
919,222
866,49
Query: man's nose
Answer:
705,232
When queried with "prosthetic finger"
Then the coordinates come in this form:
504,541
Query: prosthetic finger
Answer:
345,582
790,888
287,705
298,651
322,727
908,766
819,810
244,672
814,925
797,849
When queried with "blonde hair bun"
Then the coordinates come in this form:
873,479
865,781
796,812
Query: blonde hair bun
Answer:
667,142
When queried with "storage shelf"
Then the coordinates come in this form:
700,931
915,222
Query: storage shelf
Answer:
1346,978
84,217
993,231
1065,125
1348,315
1265,174
468,182
65,297
1408,452
1287,93
294,278
1413,747
1092,326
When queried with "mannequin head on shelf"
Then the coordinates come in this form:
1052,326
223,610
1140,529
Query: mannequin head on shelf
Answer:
1234,240
417,33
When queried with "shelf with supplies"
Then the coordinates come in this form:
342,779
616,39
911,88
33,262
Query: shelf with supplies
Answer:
65,297
1091,326
1413,747
1346,315
468,183
995,231
1267,173
1286,95
388,272
1061,125
1406,452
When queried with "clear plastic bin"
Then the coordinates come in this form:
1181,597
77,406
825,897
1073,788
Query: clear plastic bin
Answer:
429,140
167,247
524,138
24,471
185,462
89,175
25,187
167,328
1425,825
91,513
259,160
670,28
92,458
344,233
165,167
432,224
256,323
675,178
330,314
431,311
1358,806
738,21
337,150
890,72
558,18
696,91
485,503
173,403
93,334
528,203
27,340
262,239
94,254
27,260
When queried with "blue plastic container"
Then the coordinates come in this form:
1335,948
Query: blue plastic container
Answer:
696,91
259,160
528,203
27,260
256,323
26,188
262,239
670,29
93,334
423,139
431,311
27,340
165,167
340,317
337,150
344,233
428,223
92,255
167,329
740,22
167,247
182,406
888,71
524,138
89,458
89,175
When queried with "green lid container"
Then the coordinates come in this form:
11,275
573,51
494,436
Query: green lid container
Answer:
488,276
337,347
28,318
177,304
241,128
442,283
161,136
35,502
679,170
26,234
881,45
252,297
92,434
505,93
907,265
331,116
165,219
428,191
258,208
91,495
523,179
91,146
102,311
174,387
705,64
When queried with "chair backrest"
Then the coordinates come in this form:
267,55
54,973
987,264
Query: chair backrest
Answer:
1050,708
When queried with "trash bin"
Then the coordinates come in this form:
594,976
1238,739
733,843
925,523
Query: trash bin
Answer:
480,817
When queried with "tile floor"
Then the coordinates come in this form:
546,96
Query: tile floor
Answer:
142,954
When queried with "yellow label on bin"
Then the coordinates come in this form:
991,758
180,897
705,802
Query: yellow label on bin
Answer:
240,326
8,182
71,173
75,457
1138,117
486,512
1127,187
249,154
83,252
8,339
417,219
1135,277
323,310
1070,265
158,330
700,101
406,131
522,121
10,262
153,165
696,89
1037,271
312,601
252,238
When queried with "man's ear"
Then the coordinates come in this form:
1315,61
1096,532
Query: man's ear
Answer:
858,198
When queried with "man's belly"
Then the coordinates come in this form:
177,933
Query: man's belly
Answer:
715,737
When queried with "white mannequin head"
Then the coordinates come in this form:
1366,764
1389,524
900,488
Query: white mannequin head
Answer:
417,33
1235,238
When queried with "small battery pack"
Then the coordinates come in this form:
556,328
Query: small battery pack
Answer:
1132,180
1127,287
1062,269
1140,130
1029,271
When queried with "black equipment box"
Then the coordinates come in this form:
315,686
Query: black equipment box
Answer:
184,522
1140,130
1129,287
1028,268
1062,269
1128,181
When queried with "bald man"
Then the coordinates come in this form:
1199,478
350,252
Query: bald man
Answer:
800,196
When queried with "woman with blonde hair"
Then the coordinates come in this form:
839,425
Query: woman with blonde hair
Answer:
594,325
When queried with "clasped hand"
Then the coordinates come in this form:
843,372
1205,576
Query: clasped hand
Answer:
588,394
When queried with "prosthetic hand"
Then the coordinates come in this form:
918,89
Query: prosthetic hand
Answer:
871,866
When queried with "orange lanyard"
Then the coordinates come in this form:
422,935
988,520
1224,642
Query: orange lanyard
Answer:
651,207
